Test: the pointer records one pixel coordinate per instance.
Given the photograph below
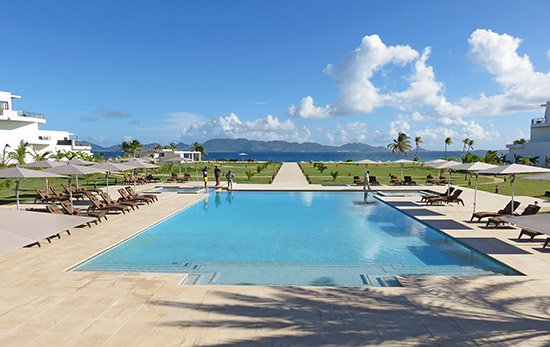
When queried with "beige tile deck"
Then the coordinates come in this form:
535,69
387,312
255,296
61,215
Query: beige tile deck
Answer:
41,304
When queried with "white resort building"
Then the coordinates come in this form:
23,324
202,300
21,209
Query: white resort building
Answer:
18,127
539,143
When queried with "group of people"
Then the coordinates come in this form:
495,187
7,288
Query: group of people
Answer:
230,176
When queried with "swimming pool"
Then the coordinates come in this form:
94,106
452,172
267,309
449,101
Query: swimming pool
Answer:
293,238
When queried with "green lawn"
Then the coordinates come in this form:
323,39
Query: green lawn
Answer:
28,186
346,171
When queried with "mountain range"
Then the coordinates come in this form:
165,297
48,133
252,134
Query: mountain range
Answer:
245,145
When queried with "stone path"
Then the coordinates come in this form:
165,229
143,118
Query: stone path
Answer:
290,176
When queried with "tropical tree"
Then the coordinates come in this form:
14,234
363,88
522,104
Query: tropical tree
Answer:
448,142
334,175
491,157
402,144
173,146
132,147
470,145
157,147
417,142
465,143
19,155
36,156
4,158
519,142
197,147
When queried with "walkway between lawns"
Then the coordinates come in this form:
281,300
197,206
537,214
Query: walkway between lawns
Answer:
290,176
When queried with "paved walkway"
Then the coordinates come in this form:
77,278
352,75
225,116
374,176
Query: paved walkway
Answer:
290,176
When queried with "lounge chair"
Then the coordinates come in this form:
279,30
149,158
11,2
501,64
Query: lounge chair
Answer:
394,181
125,196
529,211
107,199
97,205
51,208
75,194
454,197
447,193
529,232
443,180
408,181
506,210
70,209
373,181
42,196
186,178
134,194
430,179
150,178
173,177
357,181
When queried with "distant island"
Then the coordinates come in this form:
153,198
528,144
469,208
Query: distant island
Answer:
245,145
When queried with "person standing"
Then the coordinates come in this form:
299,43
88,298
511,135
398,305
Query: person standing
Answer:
217,174
366,185
205,177
230,176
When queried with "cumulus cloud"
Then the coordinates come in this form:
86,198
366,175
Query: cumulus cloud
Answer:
400,124
521,86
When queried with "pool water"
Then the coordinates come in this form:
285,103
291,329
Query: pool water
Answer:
293,238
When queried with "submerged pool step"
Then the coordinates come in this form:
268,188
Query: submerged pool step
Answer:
200,279
380,281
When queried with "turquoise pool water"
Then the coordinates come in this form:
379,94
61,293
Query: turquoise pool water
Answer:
293,238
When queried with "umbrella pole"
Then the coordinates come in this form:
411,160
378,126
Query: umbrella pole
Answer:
107,180
135,177
17,192
512,206
401,172
76,182
71,193
47,187
475,194
449,183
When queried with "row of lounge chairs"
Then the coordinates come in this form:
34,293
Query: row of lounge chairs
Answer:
452,195
129,179
407,180
175,178
431,180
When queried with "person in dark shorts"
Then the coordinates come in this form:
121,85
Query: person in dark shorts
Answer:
217,174
230,176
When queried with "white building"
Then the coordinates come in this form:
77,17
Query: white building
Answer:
539,143
18,127
170,155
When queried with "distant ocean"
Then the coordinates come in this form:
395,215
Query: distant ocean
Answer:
315,156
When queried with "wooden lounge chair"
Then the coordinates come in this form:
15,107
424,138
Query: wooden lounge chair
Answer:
455,197
173,177
42,196
134,194
70,209
506,210
151,179
407,180
448,192
186,178
430,179
357,181
529,211
443,180
76,195
125,196
395,181
97,205
107,199
52,208
373,181
530,233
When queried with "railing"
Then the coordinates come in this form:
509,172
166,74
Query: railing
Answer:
30,114
64,142
45,138
538,120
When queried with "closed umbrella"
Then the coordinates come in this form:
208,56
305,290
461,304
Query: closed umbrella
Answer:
110,167
72,169
20,173
44,164
512,170
473,167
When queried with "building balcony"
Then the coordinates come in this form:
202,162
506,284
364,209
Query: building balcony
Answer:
22,116
30,114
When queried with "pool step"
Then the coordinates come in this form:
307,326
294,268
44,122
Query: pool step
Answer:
380,281
200,278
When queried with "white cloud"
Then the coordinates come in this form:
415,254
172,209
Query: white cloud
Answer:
522,87
400,124
548,54
352,132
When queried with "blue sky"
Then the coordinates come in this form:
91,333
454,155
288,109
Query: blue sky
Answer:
325,71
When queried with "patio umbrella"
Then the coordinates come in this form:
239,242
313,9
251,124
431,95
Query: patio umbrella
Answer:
367,161
473,167
109,167
20,173
142,159
138,164
44,164
435,161
72,169
242,155
445,165
403,162
79,162
512,170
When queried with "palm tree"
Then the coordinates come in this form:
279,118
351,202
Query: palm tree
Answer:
131,147
5,158
157,147
197,147
448,142
173,146
465,143
417,142
40,156
470,145
19,155
402,144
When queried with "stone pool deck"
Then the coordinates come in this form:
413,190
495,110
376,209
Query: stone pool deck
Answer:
42,304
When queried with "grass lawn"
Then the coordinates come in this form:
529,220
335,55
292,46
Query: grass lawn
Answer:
346,171
27,187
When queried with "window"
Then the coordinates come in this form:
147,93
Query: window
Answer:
4,105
